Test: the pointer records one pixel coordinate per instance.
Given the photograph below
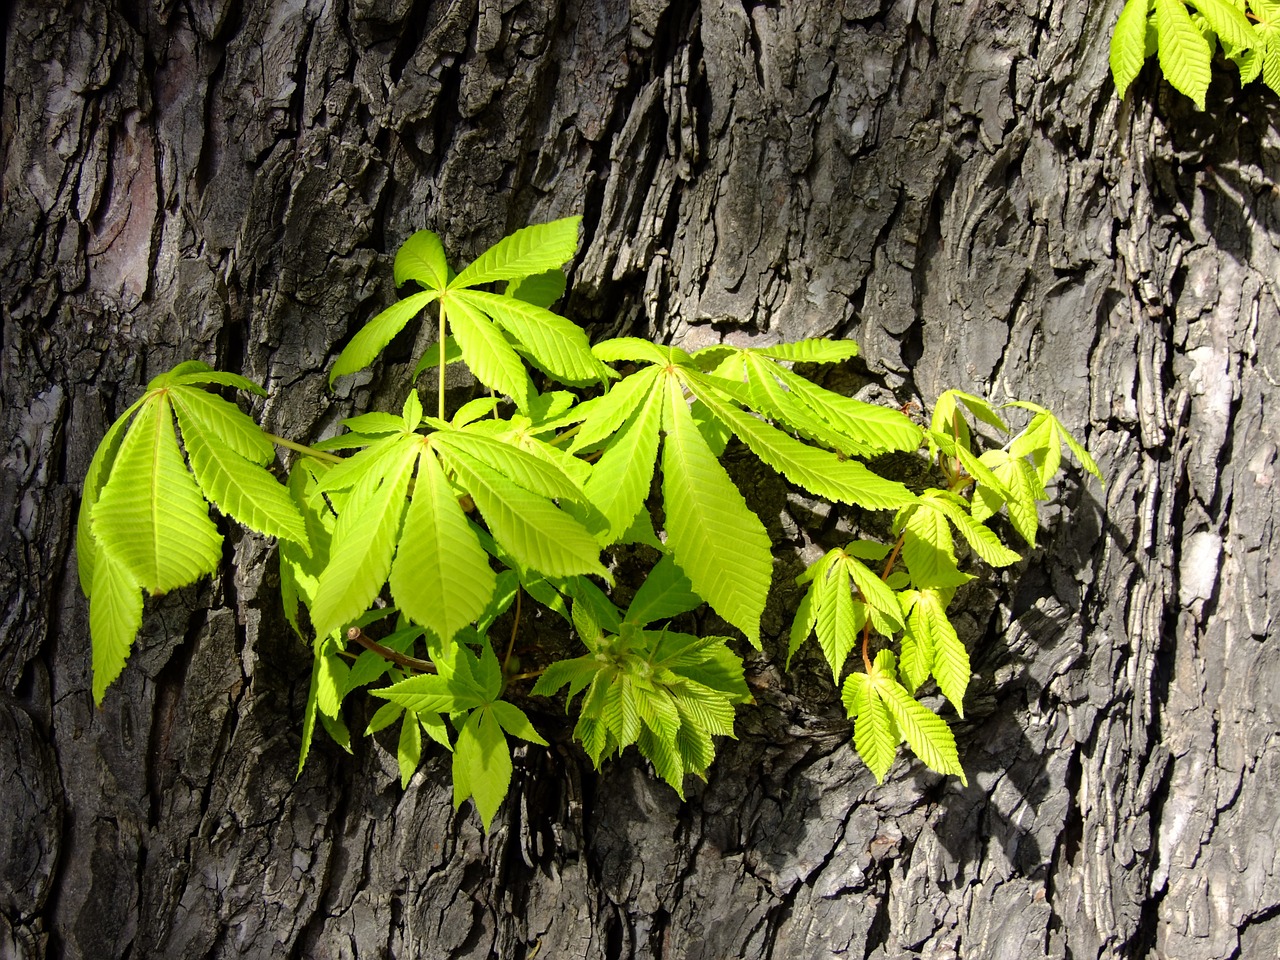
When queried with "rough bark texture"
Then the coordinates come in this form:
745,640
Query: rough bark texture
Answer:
953,184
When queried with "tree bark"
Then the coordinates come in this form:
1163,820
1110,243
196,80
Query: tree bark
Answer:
953,185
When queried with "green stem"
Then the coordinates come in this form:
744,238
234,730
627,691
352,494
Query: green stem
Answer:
443,330
302,448
515,629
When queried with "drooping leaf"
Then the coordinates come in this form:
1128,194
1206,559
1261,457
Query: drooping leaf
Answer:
1228,21
150,514
1184,53
928,551
491,358
817,471
1128,44
223,422
874,735
239,487
523,469
95,479
481,765
409,748
363,542
555,345
541,289
528,251
115,615
620,481
925,732
378,332
441,576
982,539
950,661
513,720
837,625
536,532
816,350
421,258
715,538
665,593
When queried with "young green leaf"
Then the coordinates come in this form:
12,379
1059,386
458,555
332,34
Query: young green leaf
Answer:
441,576
949,660
531,250
620,481
421,258
378,332
537,533
115,615
238,486
481,765
95,479
665,593
1128,44
151,515
409,749
1184,52
874,734
717,541
491,358
364,540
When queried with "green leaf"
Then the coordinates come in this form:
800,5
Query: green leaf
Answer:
239,487
196,373
874,591
481,765
434,693
665,593
916,661
537,533
577,673
717,541
487,352
928,552
95,479
364,541
1128,44
638,351
531,250
431,359
806,619
554,344
513,720
409,749
383,717
224,422
817,350
1228,22
606,415
983,540
309,717
151,516
441,576
874,736
878,428
620,481
523,469
837,624
541,289
115,615
331,685
377,333
1184,53
925,732
950,661
421,258
817,471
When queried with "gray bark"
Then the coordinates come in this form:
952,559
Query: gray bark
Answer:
954,185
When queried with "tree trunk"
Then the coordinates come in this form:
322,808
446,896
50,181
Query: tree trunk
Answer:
954,185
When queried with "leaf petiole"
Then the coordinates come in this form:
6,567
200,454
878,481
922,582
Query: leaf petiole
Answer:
302,448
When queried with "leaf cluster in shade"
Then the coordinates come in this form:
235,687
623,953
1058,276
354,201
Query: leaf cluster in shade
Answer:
402,557
1185,35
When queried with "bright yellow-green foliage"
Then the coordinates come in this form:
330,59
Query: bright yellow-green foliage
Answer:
432,531
1185,34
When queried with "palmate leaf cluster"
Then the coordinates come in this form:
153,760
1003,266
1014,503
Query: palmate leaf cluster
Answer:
1185,34
411,543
